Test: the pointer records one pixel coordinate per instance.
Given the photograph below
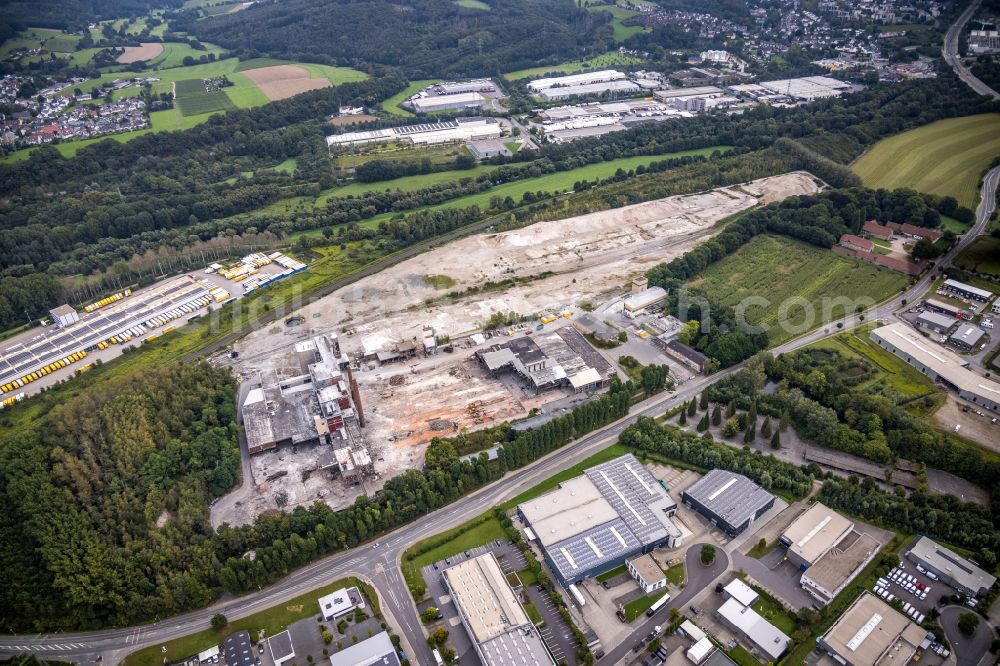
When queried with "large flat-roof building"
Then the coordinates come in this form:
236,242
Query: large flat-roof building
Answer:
938,363
873,633
375,651
596,521
562,358
950,567
637,303
834,571
967,291
808,88
728,500
616,88
748,624
967,336
500,630
811,535
463,100
936,321
599,76
460,129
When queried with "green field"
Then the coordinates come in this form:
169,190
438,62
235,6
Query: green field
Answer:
404,184
472,4
551,183
621,31
204,103
603,61
634,609
270,620
982,256
452,542
891,370
944,158
392,105
780,269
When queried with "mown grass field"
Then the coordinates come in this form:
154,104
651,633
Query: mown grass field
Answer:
602,61
473,4
271,620
982,256
945,158
405,184
778,269
621,31
392,105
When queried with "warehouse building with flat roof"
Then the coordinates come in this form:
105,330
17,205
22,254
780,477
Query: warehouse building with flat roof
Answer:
938,363
375,651
752,627
637,303
465,100
950,567
597,521
968,336
937,322
835,570
728,500
967,291
599,76
500,630
618,88
873,633
811,535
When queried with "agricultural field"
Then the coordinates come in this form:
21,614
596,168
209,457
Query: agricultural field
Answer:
392,105
472,4
602,61
192,99
983,256
404,184
786,269
945,158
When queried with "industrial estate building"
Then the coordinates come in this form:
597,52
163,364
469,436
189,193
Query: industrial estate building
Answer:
967,291
465,100
340,602
601,76
281,647
21,363
64,315
562,358
808,88
458,130
946,309
638,303
937,322
375,651
873,633
317,402
238,650
647,573
828,550
728,500
500,630
938,363
967,336
950,567
615,88
598,520
752,627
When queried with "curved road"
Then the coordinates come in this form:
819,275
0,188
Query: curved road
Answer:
382,563
969,650
952,57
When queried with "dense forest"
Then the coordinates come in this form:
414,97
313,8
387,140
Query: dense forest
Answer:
75,13
423,38
818,392
106,500
819,220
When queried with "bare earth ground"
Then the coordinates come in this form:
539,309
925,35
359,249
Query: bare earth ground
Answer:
283,81
145,51
351,120
592,257
979,429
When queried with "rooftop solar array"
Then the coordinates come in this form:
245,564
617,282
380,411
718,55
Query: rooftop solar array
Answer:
631,490
19,360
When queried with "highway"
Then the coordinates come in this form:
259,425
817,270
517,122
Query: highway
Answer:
951,56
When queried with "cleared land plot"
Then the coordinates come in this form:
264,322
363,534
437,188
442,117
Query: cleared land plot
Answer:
603,61
776,270
944,158
284,81
983,256
145,51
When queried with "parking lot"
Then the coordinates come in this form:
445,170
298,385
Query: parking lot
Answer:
554,630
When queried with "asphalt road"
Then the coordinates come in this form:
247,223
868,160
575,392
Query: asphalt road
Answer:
969,650
951,56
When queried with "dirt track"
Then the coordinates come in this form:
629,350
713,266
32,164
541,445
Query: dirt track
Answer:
145,51
283,81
